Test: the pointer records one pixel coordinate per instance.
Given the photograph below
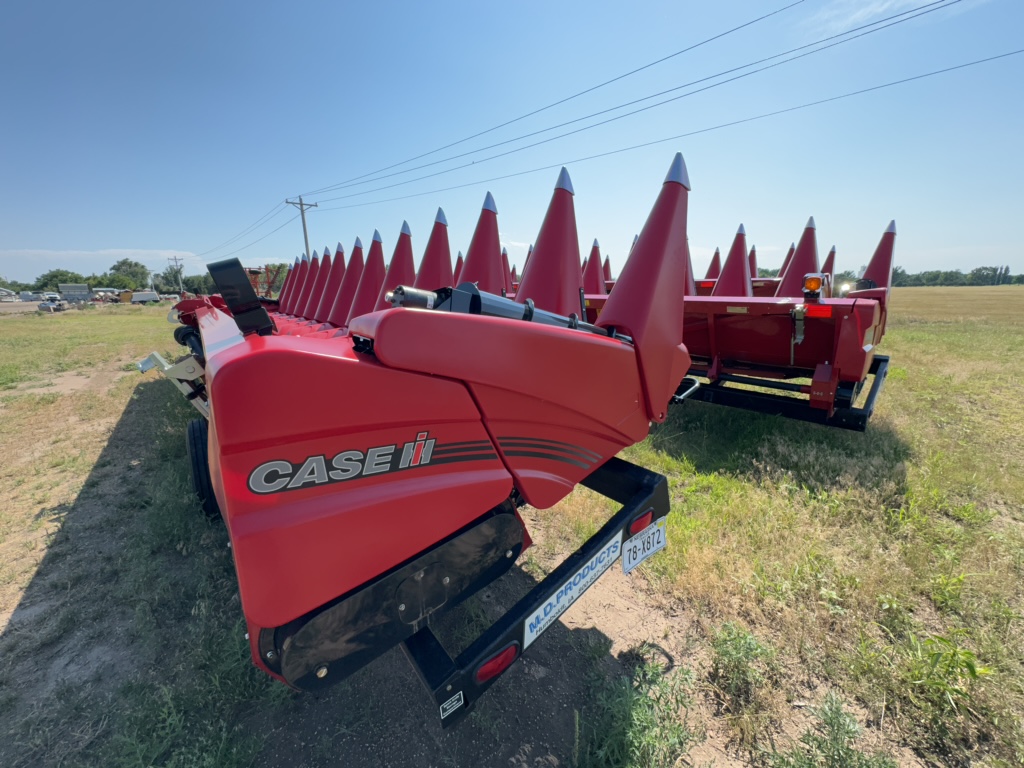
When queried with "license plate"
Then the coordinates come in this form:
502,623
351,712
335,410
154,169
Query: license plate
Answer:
638,548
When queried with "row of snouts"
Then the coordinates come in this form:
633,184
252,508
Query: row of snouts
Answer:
330,289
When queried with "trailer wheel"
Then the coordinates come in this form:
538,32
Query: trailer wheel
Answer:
181,334
199,466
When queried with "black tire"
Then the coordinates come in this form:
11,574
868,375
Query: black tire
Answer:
181,334
196,435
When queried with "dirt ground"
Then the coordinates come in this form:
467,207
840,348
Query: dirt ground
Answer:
18,307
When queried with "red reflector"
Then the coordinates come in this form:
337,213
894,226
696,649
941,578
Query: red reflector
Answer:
641,522
818,310
707,283
497,664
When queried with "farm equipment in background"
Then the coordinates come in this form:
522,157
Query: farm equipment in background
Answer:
744,344
381,483
747,335
263,279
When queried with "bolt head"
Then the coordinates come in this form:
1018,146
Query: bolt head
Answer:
401,607
321,672
246,635
508,553
271,655
445,580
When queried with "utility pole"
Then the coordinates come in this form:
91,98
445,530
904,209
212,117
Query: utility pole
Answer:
302,209
177,261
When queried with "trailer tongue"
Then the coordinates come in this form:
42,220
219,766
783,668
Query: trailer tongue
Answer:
381,483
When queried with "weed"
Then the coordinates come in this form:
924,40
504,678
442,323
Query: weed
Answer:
637,721
894,615
947,592
830,743
740,666
941,672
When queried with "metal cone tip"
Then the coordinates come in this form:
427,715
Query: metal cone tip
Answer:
359,243
833,249
810,223
678,173
635,238
440,219
489,204
792,246
305,257
340,249
296,261
718,252
504,252
891,227
596,244
741,231
326,250
530,250
376,236
405,229
316,255
459,256
564,182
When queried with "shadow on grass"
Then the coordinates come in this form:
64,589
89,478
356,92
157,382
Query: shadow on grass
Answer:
717,439
128,648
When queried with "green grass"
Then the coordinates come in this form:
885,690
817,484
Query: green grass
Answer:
887,563
36,346
885,566
637,720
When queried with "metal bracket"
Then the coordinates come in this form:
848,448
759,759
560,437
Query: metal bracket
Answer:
687,387
187,374
798,330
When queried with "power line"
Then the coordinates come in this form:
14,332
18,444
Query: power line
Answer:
687,134
264,237
279,207
557,103
925,9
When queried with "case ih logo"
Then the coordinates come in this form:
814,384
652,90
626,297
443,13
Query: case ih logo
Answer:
278,476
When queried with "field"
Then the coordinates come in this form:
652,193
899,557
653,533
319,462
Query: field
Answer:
824,593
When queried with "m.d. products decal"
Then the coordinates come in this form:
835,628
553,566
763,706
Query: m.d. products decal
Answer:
570,591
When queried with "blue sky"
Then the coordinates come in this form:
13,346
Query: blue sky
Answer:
149,130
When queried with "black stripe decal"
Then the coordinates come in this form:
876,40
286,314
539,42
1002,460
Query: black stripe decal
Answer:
467,444
572,450
457,451
549,457
460,458
550,442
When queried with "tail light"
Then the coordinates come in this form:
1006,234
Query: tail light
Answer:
497,663
641,522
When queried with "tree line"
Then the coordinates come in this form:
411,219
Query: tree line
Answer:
903,279
125,275
128,275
